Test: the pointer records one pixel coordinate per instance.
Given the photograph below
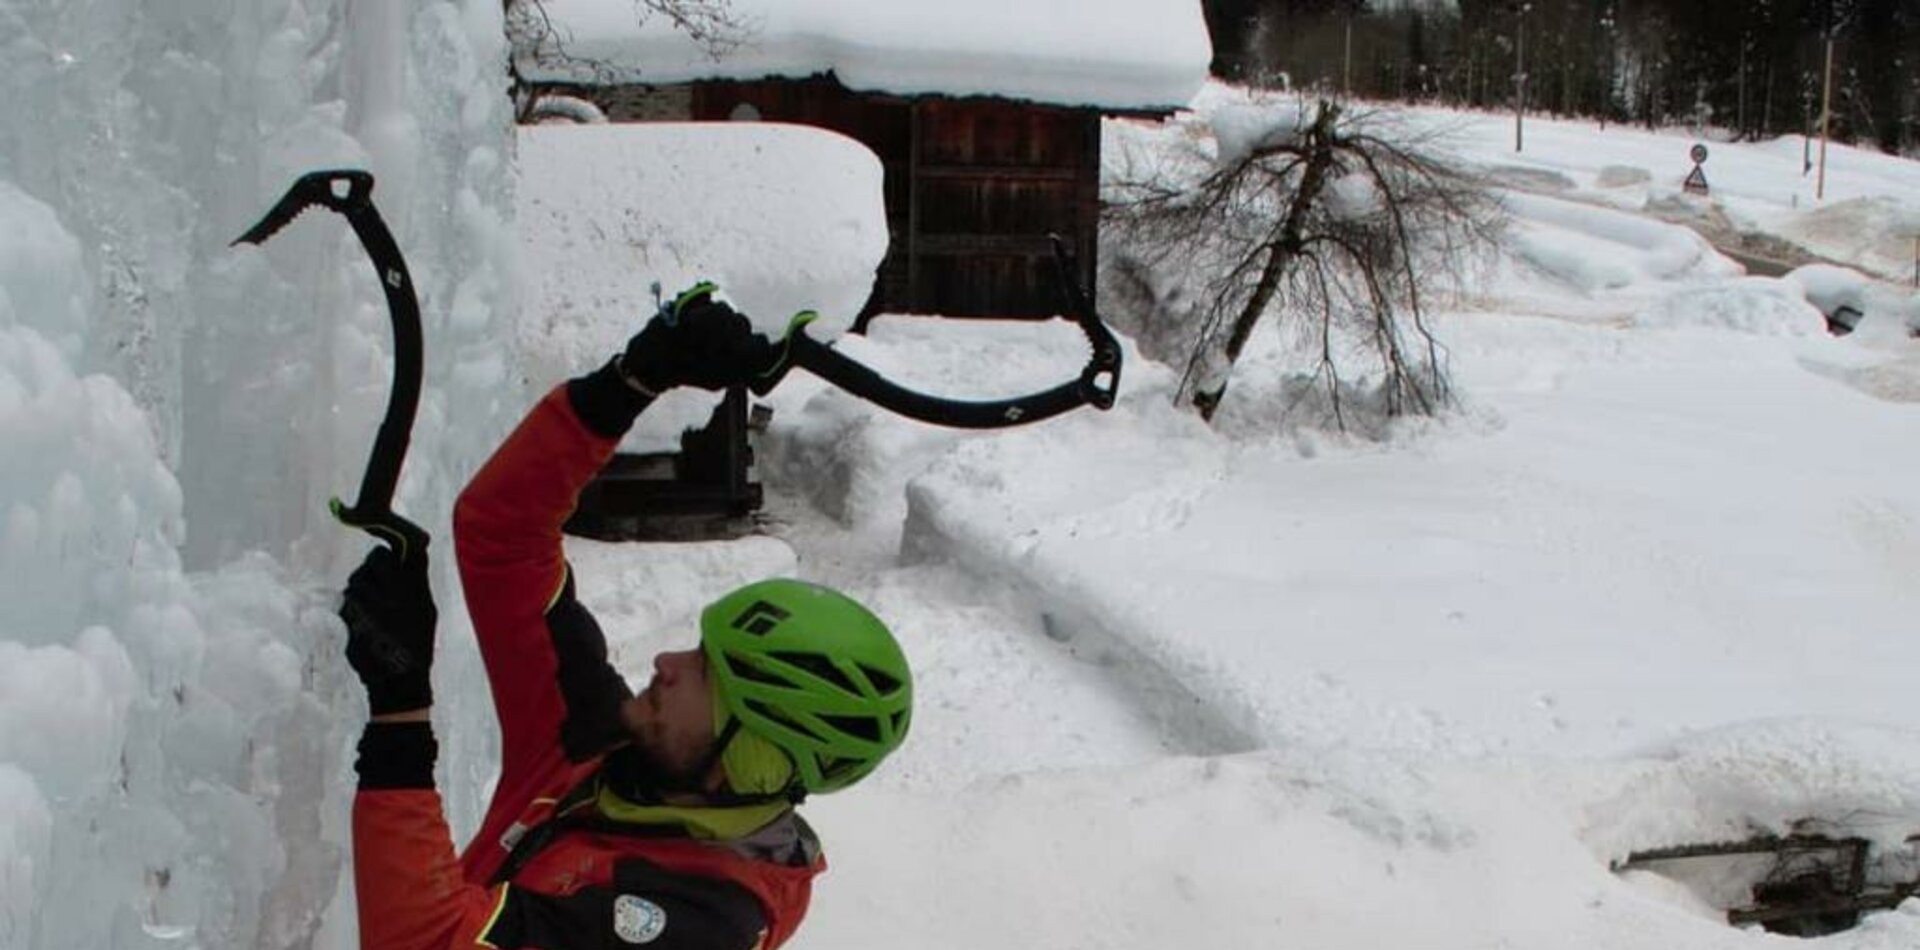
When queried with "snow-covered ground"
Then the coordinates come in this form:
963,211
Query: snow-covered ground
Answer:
1653,581
1869,217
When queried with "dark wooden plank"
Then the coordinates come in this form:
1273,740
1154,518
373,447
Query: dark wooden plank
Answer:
1001,172
959,206
981,284
949,245
997,132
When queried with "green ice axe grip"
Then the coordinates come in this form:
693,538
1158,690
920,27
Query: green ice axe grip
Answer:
350,192
1096,386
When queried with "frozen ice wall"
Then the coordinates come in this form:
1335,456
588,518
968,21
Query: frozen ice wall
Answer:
174,716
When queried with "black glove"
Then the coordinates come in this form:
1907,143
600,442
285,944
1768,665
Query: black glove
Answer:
696,341
389,612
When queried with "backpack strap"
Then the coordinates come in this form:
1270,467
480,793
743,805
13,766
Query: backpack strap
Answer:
564,817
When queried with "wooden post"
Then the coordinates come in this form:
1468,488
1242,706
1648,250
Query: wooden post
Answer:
1826,122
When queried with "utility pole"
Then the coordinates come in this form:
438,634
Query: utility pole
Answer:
1520,79
1806,127
1826,122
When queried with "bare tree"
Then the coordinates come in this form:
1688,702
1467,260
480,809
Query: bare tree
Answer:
1329,225
532,36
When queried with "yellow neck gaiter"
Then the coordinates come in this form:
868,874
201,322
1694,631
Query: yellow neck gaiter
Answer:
753,765
709,823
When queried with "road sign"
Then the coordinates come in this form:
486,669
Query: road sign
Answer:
1696,183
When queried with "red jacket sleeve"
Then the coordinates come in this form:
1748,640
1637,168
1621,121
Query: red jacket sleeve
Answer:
410,891
506,530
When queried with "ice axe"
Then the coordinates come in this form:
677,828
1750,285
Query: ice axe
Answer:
350,192
1096,385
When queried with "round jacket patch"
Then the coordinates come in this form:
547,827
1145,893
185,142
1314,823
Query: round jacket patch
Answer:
638,920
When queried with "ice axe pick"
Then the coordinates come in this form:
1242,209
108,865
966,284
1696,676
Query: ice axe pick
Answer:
350,192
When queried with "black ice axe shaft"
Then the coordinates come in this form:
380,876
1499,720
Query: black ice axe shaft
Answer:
1095,386
350,193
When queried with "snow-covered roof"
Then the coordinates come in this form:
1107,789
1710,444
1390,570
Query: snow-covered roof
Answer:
1118,54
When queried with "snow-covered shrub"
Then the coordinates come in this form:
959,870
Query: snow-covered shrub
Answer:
1339,228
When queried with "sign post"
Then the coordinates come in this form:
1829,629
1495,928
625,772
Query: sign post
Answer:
1696,183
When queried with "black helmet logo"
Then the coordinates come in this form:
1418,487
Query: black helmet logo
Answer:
760,618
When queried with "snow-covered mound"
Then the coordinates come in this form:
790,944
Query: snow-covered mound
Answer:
1750,304
1592,249
1353,848
1877,309
783,218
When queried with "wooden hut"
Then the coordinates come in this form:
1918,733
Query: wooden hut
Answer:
985,115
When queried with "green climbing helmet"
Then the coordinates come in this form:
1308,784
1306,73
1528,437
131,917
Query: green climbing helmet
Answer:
808,669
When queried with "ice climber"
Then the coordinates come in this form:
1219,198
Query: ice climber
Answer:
663,819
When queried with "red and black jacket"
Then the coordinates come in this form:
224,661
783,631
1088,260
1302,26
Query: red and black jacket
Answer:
575,881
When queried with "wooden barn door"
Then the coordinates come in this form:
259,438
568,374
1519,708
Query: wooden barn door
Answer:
973,188
991,179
